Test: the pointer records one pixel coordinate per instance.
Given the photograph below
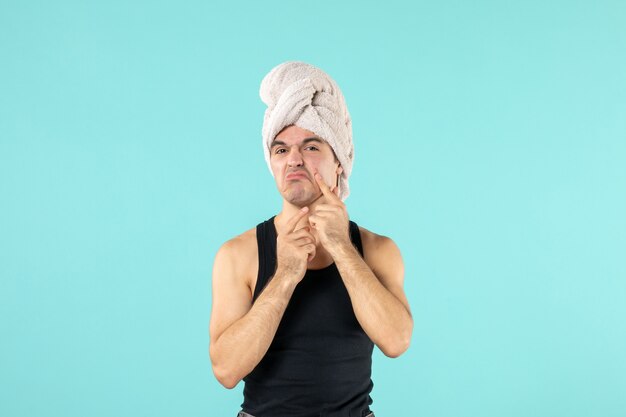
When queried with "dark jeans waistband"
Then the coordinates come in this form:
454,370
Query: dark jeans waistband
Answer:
244,414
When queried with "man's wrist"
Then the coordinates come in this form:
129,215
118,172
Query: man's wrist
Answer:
341,250
286,275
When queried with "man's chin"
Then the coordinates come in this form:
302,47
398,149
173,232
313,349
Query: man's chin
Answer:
300,199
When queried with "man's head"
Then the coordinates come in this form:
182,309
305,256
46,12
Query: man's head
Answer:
295,155
304,102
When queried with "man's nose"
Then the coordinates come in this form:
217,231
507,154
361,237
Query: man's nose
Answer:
295,158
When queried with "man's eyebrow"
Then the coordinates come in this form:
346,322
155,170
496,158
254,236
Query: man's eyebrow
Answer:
307,140
277,142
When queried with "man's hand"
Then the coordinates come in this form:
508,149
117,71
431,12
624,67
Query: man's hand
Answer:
294,248
330,218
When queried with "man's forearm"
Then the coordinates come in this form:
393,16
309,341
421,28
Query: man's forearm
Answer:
382,315
242,346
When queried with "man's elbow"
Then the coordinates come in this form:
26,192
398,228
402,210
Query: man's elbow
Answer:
227,379
224,376
228,382
399,344
396,349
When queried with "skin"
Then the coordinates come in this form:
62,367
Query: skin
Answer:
313,232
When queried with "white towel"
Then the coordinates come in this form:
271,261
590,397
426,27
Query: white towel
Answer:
297,93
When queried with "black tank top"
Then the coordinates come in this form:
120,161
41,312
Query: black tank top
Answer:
320,361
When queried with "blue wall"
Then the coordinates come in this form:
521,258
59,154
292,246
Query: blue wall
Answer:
490,145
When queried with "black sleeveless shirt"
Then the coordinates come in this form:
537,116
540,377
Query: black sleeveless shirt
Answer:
320,361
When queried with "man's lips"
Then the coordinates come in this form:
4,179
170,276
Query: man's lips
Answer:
296,175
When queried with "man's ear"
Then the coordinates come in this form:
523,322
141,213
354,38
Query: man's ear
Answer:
339,171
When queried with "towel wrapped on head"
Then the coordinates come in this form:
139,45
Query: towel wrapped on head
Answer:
297,93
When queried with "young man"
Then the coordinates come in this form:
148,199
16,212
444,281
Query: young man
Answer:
300,300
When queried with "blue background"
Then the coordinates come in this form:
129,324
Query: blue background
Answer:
490,145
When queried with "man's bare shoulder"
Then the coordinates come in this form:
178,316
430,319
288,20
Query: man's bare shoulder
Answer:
378,248
373,240
242,254
241,244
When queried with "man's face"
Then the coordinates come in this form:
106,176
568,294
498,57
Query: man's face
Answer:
295,154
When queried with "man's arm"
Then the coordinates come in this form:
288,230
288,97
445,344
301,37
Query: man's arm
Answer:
378,299
241,332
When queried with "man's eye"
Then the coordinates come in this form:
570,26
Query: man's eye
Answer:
312,147
279,150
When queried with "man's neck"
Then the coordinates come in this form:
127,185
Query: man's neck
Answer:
289,210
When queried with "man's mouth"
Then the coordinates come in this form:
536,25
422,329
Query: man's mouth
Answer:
296,175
